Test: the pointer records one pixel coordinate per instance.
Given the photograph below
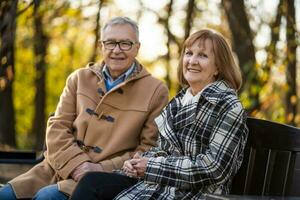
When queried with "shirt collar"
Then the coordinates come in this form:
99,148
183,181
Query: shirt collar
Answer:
189,98
123,76
110,82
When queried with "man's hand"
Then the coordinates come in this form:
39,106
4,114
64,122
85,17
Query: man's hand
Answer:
85,167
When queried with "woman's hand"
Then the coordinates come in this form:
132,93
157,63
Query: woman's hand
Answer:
135,167
140,165
128,167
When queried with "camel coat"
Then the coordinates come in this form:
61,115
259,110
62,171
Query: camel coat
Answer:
113,124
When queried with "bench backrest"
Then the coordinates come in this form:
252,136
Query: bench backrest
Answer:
271,162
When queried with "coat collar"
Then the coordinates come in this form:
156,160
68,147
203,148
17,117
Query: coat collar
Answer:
185,115
217,91
138,73
213,93
176,116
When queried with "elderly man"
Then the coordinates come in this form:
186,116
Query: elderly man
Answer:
105,115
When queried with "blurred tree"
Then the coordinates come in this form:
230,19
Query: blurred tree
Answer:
61,36
170,38
172,42
97,32
291,94
40,43
8,10
271,48
189,18
243,46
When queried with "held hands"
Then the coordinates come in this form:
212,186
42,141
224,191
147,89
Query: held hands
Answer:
136,167
85,167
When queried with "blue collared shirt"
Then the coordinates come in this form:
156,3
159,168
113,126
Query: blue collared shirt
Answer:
110,82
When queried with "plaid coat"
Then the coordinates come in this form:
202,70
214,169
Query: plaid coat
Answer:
200,147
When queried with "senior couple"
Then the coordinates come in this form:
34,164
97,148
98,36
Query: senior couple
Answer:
115,135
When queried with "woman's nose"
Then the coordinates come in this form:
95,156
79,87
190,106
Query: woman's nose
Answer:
194,60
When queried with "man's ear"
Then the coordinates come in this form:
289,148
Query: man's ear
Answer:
138,45
99,44
99,49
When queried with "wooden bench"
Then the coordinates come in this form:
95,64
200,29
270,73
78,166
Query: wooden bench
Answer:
271,165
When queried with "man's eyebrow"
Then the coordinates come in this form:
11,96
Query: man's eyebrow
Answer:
125,40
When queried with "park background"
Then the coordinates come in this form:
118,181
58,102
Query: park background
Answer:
42,42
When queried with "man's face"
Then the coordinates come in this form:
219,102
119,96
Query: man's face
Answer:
117,60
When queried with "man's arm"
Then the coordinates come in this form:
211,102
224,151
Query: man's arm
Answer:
63,154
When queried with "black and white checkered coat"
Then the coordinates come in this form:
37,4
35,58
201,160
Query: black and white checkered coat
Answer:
200,147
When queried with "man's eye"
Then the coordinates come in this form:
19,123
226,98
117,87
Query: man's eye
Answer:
125,43
110,43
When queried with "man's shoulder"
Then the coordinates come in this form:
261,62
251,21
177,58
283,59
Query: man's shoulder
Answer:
148,77
87,69
151,83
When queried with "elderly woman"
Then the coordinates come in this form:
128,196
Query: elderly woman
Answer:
202,131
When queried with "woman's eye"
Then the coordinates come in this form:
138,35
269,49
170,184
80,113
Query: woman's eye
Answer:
203,55
188,53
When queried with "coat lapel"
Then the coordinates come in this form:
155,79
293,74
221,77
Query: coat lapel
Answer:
175,116
185,116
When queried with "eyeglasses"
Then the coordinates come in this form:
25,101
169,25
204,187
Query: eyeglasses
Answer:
123,45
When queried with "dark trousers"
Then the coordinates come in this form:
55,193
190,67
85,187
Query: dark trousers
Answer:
100,185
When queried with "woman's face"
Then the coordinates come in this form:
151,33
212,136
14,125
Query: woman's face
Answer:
199,68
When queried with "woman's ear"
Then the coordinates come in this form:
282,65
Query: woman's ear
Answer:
216,72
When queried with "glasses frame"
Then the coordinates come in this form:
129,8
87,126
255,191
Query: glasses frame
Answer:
118,44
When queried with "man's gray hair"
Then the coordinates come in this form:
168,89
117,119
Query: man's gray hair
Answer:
122,21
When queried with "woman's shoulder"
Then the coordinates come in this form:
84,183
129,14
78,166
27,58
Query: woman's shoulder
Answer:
222,94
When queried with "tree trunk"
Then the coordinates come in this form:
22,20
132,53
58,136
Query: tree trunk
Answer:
8,10
40,50
189,18
97,33
244,48
169,34
188,25
271,48
291,95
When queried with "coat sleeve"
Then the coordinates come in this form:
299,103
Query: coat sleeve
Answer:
219,162
63,154
149,131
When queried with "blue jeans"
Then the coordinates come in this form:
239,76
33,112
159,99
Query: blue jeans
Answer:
7,193
49,192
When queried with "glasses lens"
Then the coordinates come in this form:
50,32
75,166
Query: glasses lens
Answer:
126,45
109,44
123,45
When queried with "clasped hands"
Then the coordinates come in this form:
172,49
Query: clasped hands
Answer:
136,166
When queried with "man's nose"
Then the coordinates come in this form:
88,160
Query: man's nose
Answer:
117,49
